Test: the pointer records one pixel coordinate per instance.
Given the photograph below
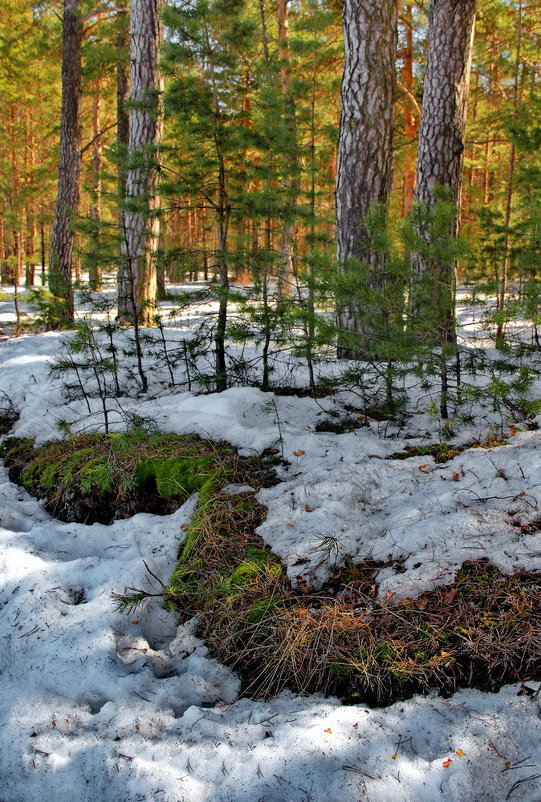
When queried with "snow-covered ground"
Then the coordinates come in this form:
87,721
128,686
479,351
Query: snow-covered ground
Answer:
100,706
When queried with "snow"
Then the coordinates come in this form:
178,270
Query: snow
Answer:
102,706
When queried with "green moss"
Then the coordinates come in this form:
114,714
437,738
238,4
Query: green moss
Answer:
384,652
101,477
200,520
261,609
400,675
342,671
175,477
48,478
29,476
441,452
257,563
14,446
246,574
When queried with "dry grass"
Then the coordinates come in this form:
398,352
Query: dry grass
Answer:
483,631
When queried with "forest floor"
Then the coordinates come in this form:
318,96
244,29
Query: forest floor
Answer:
103,706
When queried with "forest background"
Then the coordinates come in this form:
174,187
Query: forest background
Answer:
249,97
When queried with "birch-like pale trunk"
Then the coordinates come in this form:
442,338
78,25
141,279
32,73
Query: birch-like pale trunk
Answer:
69,166
364,166
140,222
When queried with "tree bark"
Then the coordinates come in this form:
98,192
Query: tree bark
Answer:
286,276
411,116
364,165
95,270
140,224
445,94
122,91
62,238
441,141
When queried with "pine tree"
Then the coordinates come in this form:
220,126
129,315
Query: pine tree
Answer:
62,238
441,136
365,146
140,221
205,60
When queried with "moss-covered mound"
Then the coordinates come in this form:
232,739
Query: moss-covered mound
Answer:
100,478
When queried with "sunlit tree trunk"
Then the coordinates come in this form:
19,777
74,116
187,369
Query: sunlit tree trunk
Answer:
95,271
30,216
364,165
411,109
445,94
511,167
292,174
62,238
122,91
140,224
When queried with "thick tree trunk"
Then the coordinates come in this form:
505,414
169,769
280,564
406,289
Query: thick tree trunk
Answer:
141,225
445,94
440,160
62,238
364,165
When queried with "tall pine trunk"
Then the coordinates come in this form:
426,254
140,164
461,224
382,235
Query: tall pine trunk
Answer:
364,168
445,94
122,91
95,270
140,224
502,280
62,238
441,137
286,277
411,110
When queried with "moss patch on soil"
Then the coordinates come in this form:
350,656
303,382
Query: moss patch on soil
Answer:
9,415
99,478
442,452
